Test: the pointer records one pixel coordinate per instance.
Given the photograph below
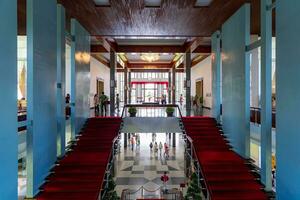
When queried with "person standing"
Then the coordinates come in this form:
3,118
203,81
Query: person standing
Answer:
132,143
68,108
118,102
196,104
164,178
96,104
155,148
181,100
160,147
103,101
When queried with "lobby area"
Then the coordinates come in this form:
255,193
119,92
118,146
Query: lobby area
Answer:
149,99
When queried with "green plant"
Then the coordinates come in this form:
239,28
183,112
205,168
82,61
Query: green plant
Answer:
193,191
111,194
170,110
132,110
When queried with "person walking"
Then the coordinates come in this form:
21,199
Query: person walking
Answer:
118,103
96,104
160,147
166,153
151,146
103,101
155,148
164,178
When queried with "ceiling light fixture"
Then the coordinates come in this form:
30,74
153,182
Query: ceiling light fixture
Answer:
150,57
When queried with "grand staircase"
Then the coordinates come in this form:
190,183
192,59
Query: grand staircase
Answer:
82,172
225,174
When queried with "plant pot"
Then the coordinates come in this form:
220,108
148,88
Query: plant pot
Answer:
170,114
132,114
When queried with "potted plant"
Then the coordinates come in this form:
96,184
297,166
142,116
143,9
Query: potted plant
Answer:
193,191
170,111
132,111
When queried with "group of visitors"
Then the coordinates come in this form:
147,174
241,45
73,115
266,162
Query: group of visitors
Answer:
101,102
155,147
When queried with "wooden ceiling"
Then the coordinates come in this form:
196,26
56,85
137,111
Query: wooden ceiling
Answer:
172,18
130,18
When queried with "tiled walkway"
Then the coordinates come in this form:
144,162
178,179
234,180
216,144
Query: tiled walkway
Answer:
143,167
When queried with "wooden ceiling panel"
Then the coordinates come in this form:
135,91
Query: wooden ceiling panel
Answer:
173,18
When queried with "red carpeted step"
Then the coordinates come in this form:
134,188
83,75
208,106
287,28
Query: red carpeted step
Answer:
224,171
74,195
80,173
58,186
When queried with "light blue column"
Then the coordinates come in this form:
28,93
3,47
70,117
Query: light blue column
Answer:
288,98
41,91
73,80
61,74
80,76
8,99
236,80
216,74
266,94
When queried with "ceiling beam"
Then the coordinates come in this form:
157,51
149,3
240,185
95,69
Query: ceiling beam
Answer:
101,48
150,48
101,59
198,60
98,49
203,49
149,65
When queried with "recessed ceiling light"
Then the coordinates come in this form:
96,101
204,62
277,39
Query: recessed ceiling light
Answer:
102,2
152,3
201,3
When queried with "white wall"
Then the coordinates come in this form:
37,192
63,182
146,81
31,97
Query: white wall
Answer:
203,71
98,71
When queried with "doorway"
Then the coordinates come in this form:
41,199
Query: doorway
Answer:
199,88
100,87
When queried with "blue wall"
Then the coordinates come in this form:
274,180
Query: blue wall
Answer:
80,75
235,77
41,91
8,99
288,98
61,80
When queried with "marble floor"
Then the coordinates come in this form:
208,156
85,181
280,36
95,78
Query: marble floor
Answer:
139,166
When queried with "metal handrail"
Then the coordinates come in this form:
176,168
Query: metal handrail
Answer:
150,105
109,165
194,157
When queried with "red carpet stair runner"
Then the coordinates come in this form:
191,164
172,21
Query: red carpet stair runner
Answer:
226,175
79,174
